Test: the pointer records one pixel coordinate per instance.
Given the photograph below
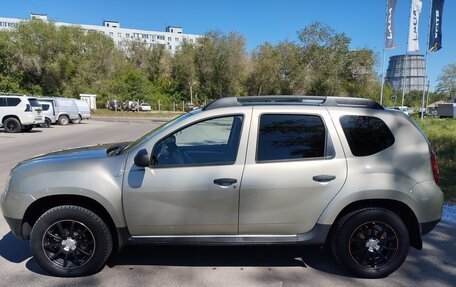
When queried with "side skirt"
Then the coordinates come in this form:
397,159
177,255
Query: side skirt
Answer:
316,236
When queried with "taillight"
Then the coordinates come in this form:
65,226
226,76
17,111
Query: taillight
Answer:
28,108
435,167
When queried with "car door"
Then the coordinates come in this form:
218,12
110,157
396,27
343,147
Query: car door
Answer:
192,187
295,165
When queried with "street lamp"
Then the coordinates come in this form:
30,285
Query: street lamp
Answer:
191,91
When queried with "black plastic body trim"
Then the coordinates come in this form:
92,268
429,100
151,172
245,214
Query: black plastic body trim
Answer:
427,227
15,226
316,236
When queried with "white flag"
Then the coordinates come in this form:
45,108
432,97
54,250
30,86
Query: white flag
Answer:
415,11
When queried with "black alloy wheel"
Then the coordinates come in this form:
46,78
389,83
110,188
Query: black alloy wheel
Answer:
373,244
69,244
370,243
71,241
12,125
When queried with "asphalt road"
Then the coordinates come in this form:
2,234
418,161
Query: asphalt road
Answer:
435,265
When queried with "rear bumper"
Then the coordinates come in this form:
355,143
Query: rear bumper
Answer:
428,226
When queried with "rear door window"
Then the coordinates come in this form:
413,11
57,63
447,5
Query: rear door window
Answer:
290,137
366,135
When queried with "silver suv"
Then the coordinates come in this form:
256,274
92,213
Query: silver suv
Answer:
251,170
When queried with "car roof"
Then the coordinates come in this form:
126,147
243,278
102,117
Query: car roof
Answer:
294,100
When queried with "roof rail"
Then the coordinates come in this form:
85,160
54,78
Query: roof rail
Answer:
293,100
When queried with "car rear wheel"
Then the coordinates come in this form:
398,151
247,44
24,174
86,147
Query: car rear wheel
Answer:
12,125
70,241
78,121
370,243
64,120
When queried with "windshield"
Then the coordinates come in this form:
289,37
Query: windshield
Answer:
160,128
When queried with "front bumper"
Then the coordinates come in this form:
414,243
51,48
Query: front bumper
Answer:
15,226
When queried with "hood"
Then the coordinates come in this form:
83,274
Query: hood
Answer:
86,152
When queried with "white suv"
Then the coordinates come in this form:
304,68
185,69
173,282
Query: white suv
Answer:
19,113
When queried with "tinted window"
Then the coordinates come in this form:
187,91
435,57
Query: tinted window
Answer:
45,107
210,142
283,137
366,135
12,102
2,102
34,103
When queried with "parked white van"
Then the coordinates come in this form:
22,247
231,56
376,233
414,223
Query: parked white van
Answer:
83,110
65,109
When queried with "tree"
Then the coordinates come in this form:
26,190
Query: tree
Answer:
447,81
184,70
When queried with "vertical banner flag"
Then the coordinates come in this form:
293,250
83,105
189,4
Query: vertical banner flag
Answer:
435,34
415,11
389,33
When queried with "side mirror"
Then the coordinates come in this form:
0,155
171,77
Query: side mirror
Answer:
142,158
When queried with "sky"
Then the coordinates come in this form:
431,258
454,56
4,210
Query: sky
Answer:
258,21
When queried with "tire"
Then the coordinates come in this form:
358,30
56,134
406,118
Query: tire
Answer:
47,123
27,128
70,241
78,121
64,120
12,125
370,243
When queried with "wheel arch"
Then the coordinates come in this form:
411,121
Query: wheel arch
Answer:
40,206
402,210
11,116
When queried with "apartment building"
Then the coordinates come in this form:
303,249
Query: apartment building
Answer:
172,38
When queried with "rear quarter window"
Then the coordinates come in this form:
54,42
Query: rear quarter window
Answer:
366,135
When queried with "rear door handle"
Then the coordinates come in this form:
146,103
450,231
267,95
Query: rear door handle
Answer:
225,182
324,178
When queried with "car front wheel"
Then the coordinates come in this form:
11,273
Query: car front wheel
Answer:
70,241
370,243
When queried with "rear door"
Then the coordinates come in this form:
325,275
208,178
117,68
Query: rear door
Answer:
295,165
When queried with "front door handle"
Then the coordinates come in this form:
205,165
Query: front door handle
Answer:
324,178
225,182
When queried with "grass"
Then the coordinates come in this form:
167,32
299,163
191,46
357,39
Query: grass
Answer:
442,135
104,113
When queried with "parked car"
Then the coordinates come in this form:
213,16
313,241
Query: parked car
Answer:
49,114
114,105
83,109
403,109
145,107
65,109
19,113
130,106
190,107
248,170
